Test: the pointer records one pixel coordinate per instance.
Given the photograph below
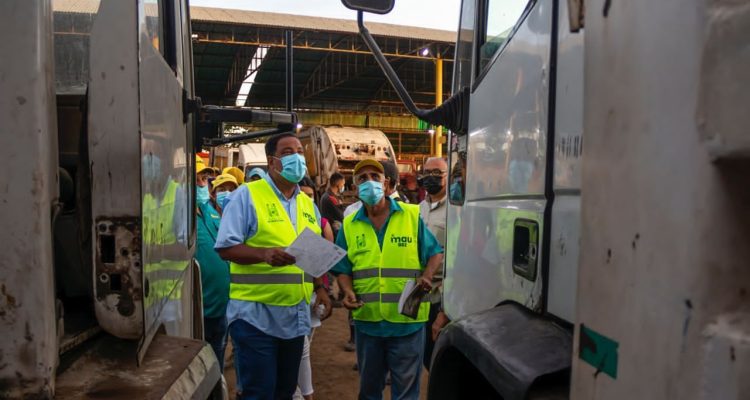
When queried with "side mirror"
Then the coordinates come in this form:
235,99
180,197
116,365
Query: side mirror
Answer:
371,6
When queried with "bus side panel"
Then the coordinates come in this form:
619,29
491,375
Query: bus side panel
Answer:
505,175
115,182
28,194
168,180
566,210
662,310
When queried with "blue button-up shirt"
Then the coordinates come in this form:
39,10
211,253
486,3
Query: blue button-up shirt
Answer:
239,222
428,246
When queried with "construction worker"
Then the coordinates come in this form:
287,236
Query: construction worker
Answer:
255,174
214,270
433,211
387,244
390,187
222,186
268,310
236,173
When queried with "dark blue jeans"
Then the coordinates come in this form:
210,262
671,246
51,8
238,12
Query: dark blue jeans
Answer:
215,332
268,365
401,355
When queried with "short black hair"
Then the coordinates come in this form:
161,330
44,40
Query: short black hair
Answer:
273,142
306,181
391,171
335,177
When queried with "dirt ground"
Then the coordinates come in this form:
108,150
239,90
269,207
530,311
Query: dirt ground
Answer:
333,376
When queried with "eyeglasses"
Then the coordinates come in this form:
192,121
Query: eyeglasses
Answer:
372,176
433,172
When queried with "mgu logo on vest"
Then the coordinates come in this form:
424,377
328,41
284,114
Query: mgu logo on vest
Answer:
401,241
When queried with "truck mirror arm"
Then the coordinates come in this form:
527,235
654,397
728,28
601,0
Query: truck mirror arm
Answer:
211,119
282,128
452,114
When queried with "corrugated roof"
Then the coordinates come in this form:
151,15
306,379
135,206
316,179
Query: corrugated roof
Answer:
277,20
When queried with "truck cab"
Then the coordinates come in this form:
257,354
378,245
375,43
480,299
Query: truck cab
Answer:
515,151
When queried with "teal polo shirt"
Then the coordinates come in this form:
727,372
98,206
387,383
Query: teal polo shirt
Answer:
428,246
214,270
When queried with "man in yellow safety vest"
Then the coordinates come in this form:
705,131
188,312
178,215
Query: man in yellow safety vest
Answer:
268,311
387,245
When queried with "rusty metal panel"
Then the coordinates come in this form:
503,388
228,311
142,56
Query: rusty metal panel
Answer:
118,273
114,155
28,195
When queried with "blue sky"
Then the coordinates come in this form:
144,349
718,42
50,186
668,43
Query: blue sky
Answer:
437,14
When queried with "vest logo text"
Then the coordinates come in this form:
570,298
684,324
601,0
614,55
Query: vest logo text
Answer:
309,218
401,241
273,213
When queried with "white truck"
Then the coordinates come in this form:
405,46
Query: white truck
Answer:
330,149
618,274
99,294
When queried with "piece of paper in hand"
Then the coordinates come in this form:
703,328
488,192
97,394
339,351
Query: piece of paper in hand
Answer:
315,255
411,299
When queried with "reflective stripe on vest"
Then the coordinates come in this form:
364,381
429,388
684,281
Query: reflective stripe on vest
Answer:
262,283
158,216
379,276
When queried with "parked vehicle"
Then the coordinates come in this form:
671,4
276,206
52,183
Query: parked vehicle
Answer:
638,291
100,295
330,149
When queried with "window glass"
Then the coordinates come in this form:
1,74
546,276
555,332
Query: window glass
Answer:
457,177
464,46
500,16
155,23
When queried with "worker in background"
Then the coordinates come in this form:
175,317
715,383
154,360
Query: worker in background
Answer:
236,173
433,212
222,186
304,380
268,311
390,187
331,204
387,244
214,270
256,174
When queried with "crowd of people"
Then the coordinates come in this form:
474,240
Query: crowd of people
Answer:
254,294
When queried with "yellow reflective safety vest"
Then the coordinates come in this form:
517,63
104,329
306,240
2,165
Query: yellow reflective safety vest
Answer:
164,276
379,275
262,283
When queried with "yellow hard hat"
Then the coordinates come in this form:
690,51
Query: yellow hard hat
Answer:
222,179
236,173
200,167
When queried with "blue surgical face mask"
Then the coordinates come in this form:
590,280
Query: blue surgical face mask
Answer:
201,194
222,198
293,167
371,192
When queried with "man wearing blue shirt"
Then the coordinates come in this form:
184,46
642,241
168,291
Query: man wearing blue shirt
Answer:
268,311
387,244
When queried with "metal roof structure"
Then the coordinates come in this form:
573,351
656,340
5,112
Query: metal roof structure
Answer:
336,78
333,69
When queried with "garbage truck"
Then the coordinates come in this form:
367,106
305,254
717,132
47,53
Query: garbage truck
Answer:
99,292
337,148
598,219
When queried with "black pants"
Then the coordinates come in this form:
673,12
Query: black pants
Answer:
429,344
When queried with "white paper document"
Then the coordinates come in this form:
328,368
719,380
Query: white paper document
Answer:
408,288
314,254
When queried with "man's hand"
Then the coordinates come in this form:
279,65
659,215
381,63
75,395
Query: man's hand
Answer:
350,301
322,298
277,257
441,320
425,281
